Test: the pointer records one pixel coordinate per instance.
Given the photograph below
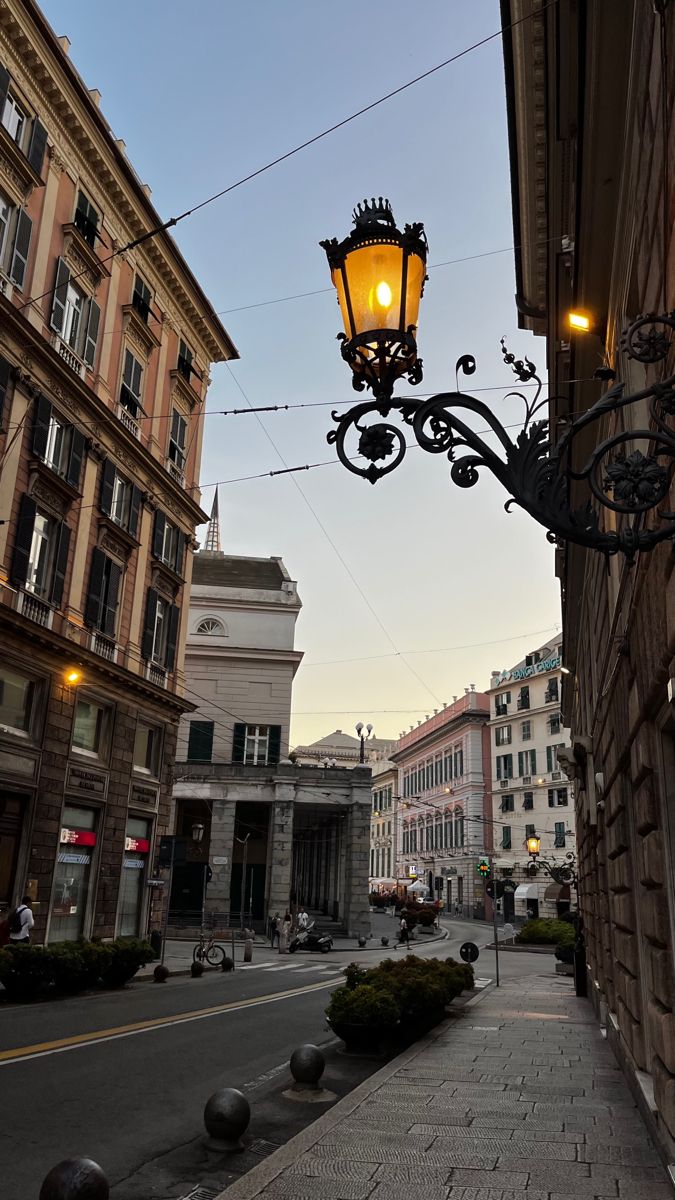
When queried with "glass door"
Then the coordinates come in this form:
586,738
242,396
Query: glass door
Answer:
72,879
134,874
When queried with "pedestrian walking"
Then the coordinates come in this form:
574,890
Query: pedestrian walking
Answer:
21,922
403,934
285,934
275,930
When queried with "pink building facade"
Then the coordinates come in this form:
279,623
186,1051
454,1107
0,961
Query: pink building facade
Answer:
443,810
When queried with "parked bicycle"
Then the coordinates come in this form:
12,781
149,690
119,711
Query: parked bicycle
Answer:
208,950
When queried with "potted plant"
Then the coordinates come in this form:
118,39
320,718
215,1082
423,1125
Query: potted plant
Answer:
362,1015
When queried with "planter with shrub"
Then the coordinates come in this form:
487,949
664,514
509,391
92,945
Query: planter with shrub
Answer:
362,1015
70,967
541,932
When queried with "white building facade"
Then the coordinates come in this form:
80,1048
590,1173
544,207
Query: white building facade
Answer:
382,875
444,811
531,794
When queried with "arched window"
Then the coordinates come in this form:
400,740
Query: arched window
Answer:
210,625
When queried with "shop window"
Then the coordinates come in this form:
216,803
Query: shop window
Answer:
148,749
90,728
73,875
137,843
17,701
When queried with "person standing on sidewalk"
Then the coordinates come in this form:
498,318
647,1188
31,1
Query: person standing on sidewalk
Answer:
275,930
285,934
403,933
20,923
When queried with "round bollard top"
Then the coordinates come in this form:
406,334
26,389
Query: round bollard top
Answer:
227,1114
161,973
384,940
307,1064
362,941
75,1179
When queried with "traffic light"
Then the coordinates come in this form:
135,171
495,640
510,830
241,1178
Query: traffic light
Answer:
483,868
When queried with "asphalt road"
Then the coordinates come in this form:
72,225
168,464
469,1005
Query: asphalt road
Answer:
123,1077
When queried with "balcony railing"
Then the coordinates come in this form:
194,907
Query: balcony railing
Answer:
103,645
128,421
175,472
34,609
69,356
157,675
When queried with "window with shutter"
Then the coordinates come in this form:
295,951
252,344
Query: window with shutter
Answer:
4,87
86,219
6,214
23,541
14,118
104,592
93,606
506,837
78,446
172,637
108,473
24,229
61,546
42,417
559,835
238,743
37,146
60,296
177,439
135,501
148,637
5,378
158,535
141,298
274,744
132,382
91,334
185,356
200,741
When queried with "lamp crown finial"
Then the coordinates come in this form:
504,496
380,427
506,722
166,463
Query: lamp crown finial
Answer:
373,212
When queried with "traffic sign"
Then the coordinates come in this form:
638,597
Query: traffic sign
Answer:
494,889
468,952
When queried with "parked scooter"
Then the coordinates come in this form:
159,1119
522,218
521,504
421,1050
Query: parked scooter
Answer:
311,939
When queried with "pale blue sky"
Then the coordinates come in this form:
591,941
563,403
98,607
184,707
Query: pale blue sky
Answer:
204,93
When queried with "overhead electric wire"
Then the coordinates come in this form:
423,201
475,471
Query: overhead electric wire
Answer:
165,226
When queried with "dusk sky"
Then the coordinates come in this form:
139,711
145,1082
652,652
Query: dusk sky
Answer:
395,579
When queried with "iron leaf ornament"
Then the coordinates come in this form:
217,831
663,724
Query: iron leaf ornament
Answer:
628,473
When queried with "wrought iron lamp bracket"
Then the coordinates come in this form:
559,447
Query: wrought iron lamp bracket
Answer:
630,482
561,873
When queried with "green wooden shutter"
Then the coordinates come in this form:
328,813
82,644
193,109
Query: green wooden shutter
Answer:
181,541
91,335
37,147
274,743
24,537
4,87
109,616
158,534
78,445
24,229
5,378
108,473
41,418
172,637
92,610
134,509
200,741
149,625
238,743
58,314
60,564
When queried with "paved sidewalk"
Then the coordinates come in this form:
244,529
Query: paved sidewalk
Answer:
518,1097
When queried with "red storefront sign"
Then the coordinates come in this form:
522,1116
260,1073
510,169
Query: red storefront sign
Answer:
140,845
78,837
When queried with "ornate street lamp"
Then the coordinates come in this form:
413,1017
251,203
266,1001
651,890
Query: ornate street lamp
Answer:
363,737
379,275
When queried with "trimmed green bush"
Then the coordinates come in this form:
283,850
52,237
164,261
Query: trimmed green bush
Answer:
71,967
363,1005
541,932
127,957
25,970
564,952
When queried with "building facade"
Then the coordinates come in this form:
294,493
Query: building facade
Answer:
590,93
105,350
340,749
382,876
531,794
276,834
444,811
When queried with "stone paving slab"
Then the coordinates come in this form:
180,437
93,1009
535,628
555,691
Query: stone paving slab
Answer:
531,1107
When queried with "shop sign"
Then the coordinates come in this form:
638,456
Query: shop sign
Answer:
136,864
81,860
17,764
82,780
156,883
540,668
140,845
220,860
141,794
412,871
78,837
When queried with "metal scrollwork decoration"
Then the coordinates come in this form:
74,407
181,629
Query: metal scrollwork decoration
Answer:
629,473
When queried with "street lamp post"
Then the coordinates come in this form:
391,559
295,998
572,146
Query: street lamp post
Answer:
379,273
565,873
363,737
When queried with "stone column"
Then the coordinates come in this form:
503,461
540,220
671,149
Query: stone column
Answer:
280,848
355,906
222,846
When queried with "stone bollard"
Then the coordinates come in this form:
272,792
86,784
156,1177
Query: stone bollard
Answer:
384,940
197,970
307,1066
227,964
226,1117
248,950
362,941
75,1179
161,974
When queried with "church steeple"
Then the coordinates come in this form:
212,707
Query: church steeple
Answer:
213,529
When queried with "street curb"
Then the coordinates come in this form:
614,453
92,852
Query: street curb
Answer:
260,1177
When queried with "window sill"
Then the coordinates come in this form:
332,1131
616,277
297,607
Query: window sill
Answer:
169,575
22,178
134,323
67,493
118,531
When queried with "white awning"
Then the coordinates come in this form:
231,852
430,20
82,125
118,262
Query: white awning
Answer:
505,864
527,891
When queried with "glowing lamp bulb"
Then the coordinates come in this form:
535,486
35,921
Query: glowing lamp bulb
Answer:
73,676
383,294
579,321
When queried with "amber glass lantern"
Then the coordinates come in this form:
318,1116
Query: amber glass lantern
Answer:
533,845
379,273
